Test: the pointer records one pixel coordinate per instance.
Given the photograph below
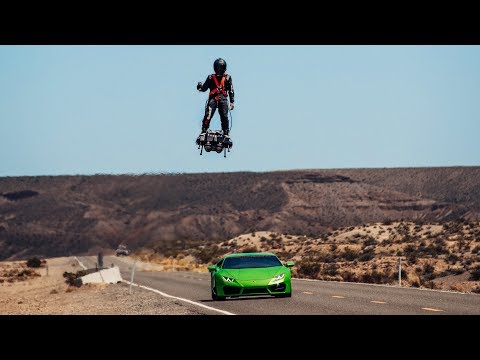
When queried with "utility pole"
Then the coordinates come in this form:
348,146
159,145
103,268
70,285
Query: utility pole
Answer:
399,271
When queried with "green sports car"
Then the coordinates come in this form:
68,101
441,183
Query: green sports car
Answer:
245,274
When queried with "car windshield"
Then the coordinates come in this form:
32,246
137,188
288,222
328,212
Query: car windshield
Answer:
251,262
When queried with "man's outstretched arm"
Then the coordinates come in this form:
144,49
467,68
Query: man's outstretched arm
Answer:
205,86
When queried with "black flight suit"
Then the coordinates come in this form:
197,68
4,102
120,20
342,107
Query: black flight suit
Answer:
219,99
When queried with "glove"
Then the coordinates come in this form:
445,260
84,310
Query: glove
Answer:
232,106
199,85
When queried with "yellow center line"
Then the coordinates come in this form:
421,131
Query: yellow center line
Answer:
378,302
308,292
431,309
338,297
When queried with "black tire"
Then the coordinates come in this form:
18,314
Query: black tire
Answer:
215,297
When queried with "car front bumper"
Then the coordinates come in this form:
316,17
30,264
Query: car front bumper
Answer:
261,287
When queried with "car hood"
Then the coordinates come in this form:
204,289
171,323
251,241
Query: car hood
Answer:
253,273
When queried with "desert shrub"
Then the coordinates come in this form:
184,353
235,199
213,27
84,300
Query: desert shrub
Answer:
250,249
429,276
283,255
324,257
428,269
457,271
368,254
412,258
386,242
333,247
349,276
409,249
349,254
430,285
476,250
369,241
34,262
452,258
26,273
435,250
475,273
375,277
73,279
208,253
330,270
308,269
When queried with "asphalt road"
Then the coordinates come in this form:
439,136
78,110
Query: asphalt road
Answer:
309,297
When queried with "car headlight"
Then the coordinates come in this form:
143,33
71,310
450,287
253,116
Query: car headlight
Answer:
228,279
278,277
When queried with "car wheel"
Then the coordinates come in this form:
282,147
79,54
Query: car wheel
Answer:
215,297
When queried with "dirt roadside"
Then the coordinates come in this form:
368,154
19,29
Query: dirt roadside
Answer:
51,295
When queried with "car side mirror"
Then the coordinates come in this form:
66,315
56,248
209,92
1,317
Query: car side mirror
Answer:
212,268
289,264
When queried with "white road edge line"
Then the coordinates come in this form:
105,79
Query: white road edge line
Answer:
179,298
80,263
386,285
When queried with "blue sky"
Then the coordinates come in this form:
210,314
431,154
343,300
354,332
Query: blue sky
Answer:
135,109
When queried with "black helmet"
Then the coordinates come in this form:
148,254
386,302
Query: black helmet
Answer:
220,66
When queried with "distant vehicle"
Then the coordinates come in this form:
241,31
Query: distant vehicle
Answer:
260,273
122,250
